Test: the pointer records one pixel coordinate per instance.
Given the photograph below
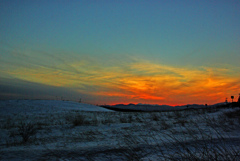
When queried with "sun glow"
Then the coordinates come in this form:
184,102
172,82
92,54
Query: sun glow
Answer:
140,81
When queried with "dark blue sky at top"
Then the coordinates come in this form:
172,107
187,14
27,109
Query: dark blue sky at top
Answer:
164,29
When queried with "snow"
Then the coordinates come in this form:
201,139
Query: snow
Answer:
74,131
41,106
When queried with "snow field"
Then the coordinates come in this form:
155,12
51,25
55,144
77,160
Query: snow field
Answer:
70,132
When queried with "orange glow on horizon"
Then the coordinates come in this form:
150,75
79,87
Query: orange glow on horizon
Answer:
141,82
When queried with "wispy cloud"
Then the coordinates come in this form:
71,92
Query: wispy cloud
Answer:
135,80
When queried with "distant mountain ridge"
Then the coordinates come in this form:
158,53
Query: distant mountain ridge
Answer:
154,108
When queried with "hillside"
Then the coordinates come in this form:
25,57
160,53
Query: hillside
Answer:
42,106
62,130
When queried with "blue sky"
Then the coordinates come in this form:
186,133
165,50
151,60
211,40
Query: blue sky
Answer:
83,37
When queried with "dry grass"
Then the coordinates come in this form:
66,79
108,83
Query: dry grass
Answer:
181,135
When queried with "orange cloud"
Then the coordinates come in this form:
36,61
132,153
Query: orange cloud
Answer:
139,81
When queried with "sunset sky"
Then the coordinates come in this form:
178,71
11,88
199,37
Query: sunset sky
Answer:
130,51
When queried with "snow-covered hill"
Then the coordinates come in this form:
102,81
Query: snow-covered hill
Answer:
42,106
64,130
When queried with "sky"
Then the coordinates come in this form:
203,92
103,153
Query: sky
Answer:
130,51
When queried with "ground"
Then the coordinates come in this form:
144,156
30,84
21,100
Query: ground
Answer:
64,130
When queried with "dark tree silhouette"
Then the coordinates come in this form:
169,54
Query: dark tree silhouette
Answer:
232,97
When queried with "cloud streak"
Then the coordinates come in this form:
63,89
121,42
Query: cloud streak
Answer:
135,81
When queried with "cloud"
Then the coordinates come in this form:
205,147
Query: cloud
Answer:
132,80
19,89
